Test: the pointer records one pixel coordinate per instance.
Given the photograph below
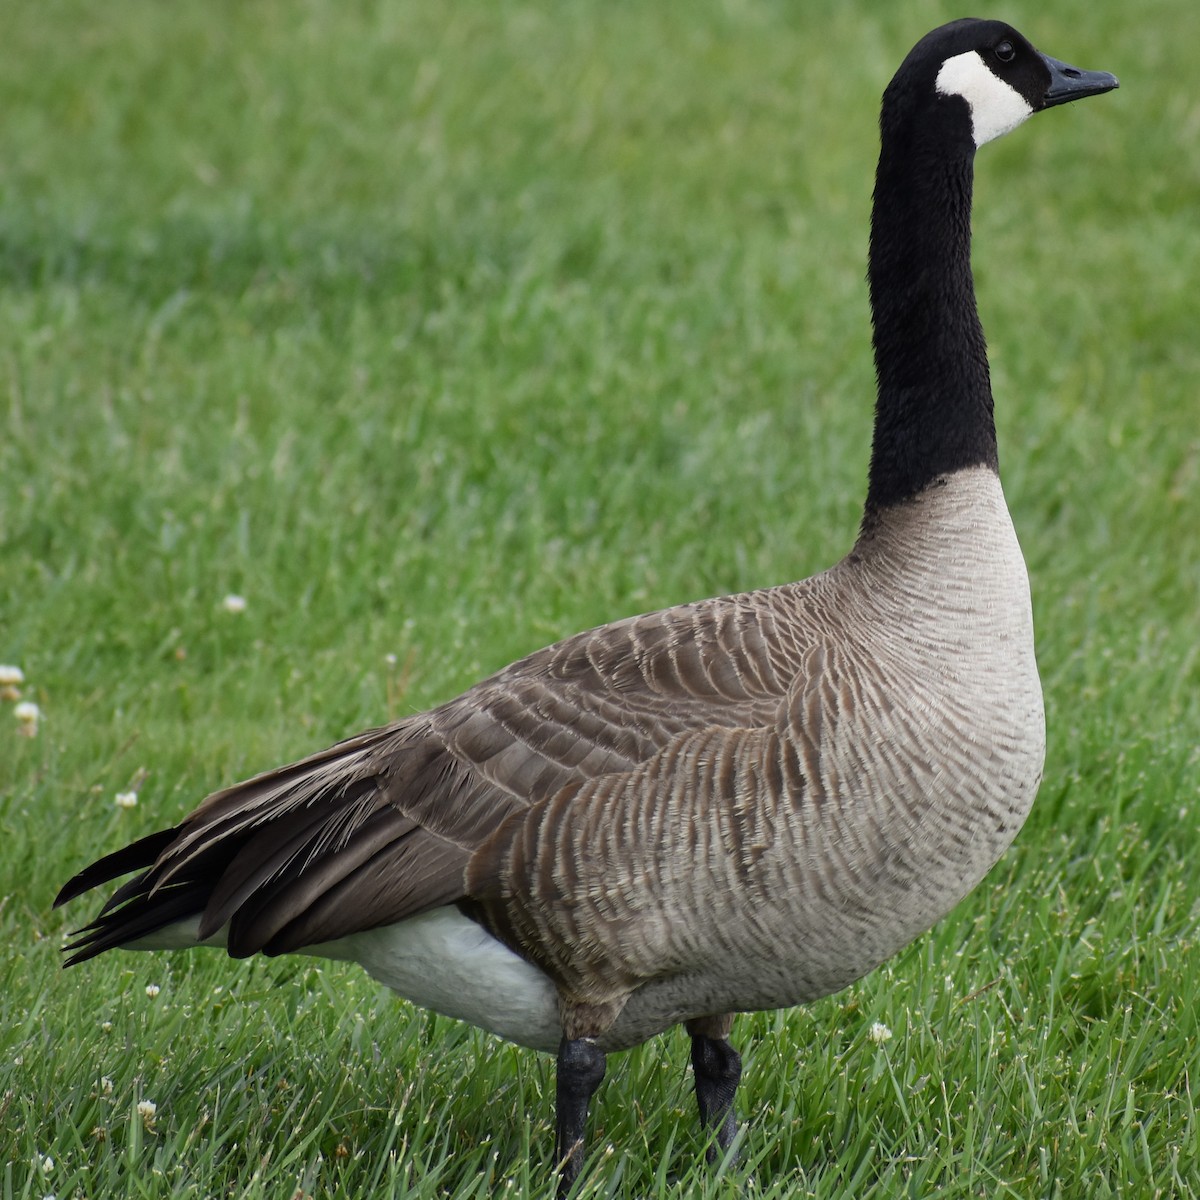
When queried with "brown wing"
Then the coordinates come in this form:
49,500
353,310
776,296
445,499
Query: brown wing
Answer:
381,826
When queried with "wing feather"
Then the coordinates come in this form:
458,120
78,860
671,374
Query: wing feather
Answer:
382,825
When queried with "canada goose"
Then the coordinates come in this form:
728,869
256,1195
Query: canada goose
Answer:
738,804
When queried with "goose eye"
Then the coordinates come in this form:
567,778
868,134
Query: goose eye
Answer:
1005,52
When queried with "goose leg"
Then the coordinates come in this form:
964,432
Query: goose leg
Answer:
717,1069
580,1070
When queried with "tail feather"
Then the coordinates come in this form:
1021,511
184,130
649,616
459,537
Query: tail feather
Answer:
139,918
138,855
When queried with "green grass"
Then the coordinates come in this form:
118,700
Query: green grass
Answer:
441,331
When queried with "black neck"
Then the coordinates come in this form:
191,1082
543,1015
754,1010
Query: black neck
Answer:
933,414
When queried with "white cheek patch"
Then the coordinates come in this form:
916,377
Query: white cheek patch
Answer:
996,108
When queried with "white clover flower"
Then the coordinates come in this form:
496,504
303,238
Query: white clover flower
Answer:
125,800
28,714
152,990
106,1026
234,604
106,1085
147,1110
10,680
45,1163
879,1033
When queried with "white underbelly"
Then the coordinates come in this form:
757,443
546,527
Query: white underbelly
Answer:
439,960
446,962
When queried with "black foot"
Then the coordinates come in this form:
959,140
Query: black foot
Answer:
580,1070
718,1068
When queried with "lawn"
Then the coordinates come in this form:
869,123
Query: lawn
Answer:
436,332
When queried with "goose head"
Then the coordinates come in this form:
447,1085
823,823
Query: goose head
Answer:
974,81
